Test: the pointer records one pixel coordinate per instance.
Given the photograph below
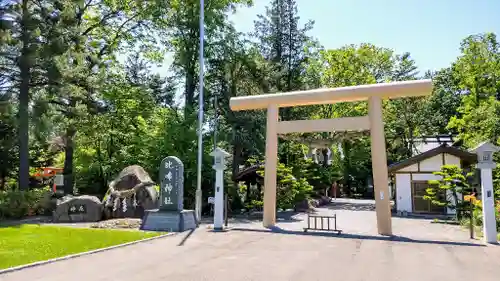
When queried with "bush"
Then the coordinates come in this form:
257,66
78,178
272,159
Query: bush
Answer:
290,190
478,211
16,204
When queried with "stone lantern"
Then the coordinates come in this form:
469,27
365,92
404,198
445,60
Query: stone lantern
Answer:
219,166
484,153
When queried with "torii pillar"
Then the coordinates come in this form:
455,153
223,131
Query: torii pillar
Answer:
374,94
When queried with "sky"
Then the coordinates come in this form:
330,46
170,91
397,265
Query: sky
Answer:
431,30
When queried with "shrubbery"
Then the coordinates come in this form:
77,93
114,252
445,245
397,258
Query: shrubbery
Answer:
290,190
478,211
17,204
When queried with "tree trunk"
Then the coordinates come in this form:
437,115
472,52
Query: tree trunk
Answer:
68,161
25,74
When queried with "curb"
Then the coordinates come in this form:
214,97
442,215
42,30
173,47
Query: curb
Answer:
16,268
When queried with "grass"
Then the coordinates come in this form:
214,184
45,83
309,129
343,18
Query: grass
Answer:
30,243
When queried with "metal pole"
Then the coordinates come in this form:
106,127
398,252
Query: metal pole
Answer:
471,229
226,205
200,114
216,123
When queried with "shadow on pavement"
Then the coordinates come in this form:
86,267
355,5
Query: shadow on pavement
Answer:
186,237
395,238
281,217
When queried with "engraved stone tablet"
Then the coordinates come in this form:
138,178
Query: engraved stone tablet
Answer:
171,184
171,215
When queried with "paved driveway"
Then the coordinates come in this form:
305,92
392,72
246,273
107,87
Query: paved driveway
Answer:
426,252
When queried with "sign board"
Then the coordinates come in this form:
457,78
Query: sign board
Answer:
59,180
211,200
171,184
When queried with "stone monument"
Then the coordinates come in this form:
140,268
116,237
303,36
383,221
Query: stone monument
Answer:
130,194
83,208
170,216
485,163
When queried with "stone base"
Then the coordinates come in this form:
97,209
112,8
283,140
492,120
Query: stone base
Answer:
170,221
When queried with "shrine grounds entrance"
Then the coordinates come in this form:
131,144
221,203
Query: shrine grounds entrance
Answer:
374,94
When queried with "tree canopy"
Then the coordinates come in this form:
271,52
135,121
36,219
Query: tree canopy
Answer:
81,88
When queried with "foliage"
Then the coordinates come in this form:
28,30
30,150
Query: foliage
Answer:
80,89
477,72
34,243
16,204
290,190
449,189
478,210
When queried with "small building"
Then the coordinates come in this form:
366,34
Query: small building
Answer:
409,178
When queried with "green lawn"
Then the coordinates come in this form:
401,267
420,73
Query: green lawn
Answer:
25,244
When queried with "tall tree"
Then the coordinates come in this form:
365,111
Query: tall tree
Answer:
24,44
182,35
477,74
91,33
283,43
404,117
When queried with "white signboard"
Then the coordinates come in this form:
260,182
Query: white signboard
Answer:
59,180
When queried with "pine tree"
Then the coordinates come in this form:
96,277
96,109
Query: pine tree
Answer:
24,27
283,44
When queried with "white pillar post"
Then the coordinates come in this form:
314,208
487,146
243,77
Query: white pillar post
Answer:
489,221
219,199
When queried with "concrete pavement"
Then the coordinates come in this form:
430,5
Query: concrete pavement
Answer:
422,251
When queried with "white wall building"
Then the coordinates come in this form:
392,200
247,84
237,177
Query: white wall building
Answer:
410,177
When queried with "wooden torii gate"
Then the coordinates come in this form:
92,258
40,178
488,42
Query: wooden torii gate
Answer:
374,122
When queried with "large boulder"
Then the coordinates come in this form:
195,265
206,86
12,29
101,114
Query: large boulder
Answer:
83,208
130,194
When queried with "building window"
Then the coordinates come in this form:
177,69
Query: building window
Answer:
420,205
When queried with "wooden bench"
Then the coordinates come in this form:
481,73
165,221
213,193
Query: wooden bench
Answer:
317,222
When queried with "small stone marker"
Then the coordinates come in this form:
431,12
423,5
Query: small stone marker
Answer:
82,208
171,215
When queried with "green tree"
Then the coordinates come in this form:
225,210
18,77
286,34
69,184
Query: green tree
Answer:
21,26
448,191
8,143
477,75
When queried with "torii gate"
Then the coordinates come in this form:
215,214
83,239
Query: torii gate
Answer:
374,122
